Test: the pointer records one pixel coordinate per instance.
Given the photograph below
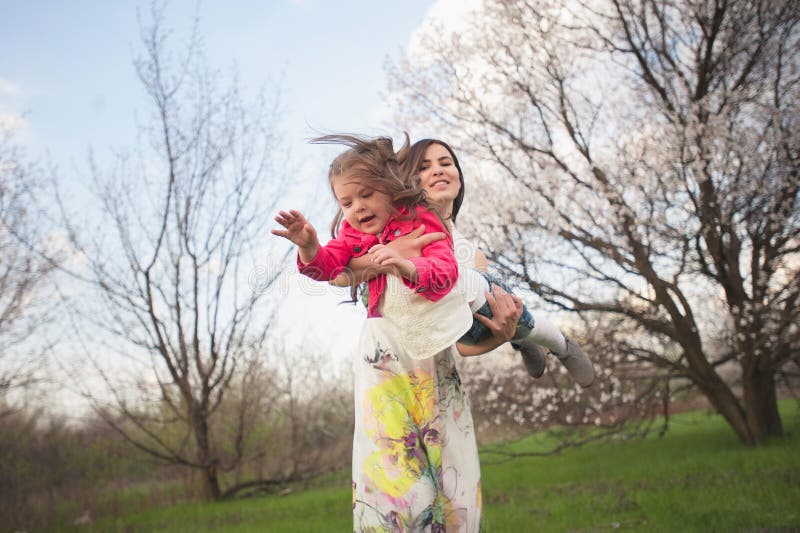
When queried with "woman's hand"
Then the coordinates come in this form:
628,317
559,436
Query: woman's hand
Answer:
411,244
506,311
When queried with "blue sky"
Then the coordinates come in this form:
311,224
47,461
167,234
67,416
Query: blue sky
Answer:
66,67
67,79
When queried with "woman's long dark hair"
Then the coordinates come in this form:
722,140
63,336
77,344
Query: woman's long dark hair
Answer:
413,161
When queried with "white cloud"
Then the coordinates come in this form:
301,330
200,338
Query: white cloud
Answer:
9,88
444,16
444,19
11,121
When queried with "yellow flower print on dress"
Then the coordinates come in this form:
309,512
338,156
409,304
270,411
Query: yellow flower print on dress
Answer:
401,424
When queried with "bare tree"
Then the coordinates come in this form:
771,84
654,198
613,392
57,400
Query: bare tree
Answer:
182,228
23,272
301,416
647,153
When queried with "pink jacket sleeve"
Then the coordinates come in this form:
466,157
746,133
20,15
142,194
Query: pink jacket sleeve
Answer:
330,261
437,269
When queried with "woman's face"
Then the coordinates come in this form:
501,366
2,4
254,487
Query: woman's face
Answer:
439,177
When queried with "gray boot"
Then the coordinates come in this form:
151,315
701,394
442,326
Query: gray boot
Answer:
532,356
576,363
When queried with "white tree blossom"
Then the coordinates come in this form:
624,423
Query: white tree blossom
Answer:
643,164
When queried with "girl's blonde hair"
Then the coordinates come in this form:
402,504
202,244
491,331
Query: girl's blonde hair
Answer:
374,161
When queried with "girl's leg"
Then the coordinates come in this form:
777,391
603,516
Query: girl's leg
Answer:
573,358
477,285
545,333
536,327
536,330
567,351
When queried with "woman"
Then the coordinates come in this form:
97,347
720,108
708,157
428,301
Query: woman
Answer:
415,460
499,314
436,167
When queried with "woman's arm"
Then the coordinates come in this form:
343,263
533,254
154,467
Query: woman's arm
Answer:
480,262
486,345
361,269
506,309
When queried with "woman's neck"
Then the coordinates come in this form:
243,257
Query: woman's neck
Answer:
445,210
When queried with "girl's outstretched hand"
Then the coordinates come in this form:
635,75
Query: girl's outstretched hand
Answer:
299,231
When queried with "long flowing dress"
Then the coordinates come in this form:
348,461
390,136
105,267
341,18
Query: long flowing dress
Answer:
415,459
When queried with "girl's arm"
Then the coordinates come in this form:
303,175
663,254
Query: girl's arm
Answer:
436,270
386,257
321,263
359,270
364,268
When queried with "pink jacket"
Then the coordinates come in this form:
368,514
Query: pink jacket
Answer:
437,269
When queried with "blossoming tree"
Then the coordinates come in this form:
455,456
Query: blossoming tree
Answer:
643,162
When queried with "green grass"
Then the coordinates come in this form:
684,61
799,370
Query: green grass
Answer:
696,478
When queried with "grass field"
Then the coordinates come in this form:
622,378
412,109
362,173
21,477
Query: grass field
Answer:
695,478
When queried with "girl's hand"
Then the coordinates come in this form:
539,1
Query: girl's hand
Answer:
385,256
299,231
411,245
506,311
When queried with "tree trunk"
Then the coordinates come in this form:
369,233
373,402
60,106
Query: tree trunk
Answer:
201,434
761,403
212,481
759,417
727,405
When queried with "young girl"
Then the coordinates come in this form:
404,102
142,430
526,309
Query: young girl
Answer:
415,460
378,206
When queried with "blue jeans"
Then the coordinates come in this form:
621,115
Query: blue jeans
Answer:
479,332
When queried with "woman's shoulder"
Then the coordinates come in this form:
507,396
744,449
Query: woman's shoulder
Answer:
431,219
413,211
467,252
408,218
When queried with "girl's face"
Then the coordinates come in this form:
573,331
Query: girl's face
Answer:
364,208
439,177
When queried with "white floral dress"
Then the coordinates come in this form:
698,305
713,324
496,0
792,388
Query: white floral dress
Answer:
415,460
